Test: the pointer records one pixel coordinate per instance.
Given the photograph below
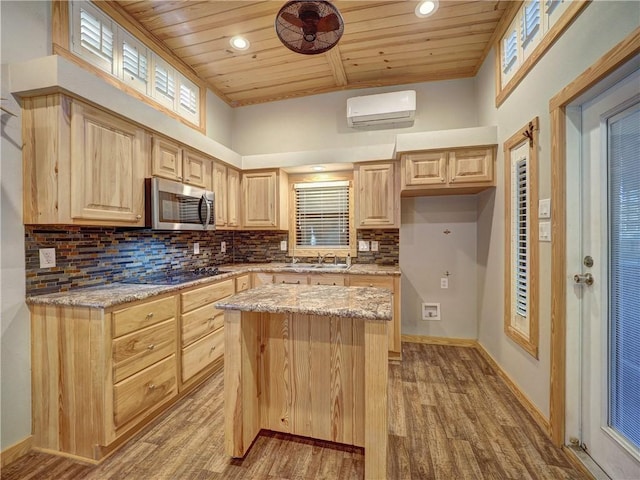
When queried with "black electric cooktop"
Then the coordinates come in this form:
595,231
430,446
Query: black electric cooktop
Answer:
175,277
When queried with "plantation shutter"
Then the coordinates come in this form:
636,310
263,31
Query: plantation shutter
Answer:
509,51
521,224
95,35
134,61
188,99
165,84
530,21
322,214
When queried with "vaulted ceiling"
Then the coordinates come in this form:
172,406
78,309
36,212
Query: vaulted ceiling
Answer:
384,43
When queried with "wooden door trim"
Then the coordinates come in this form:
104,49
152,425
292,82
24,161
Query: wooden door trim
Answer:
601,68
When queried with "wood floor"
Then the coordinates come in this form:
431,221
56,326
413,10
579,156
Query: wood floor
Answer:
451,417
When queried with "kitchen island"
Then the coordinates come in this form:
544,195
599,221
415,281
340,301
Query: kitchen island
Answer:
308,360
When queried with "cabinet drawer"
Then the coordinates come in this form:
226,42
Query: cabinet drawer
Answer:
323,279
378,281
202,296
243,283
200,322
140,316
137,350
290,278
144,390
202,353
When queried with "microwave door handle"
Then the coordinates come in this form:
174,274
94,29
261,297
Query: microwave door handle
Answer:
206,202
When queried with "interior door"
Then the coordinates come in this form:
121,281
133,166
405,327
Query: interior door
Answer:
609,280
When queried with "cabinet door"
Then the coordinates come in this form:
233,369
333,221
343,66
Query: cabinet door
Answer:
259,192
425,168
376,203
197,170
233,197
471,166
220,191
166,159
108,167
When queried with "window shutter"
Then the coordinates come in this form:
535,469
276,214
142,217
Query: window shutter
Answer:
188,98
530,21
550,5
509,51
134,61
521,224
322,214
164,82
95,35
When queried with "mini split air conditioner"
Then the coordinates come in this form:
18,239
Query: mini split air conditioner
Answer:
381,109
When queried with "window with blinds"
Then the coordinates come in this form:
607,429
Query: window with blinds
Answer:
624,273
188,98
509,51
521,238
530,22
93,36
322,215
134,61
164,84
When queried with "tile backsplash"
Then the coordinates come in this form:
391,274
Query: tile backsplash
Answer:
90,256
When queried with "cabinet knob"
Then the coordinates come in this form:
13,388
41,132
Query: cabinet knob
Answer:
150,315
371,284
212,350
151,347
138,216
151,386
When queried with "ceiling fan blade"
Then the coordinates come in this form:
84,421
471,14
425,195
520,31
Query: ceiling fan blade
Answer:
329,23
292,19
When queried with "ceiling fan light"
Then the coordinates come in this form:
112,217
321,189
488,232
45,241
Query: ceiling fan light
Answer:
239,43
318,168
426,8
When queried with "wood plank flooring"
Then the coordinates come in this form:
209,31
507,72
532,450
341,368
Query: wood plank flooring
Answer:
450,417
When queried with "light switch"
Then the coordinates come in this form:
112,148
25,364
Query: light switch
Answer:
544,231
283,245
223,247
374,245
196,248
47,257
544,208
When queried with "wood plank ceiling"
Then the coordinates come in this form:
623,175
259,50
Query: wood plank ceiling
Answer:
384,43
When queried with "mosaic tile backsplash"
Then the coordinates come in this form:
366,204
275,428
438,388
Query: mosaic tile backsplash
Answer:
90,256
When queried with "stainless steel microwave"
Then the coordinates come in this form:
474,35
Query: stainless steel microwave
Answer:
172,205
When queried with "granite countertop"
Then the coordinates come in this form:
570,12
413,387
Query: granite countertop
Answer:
326,300
106,296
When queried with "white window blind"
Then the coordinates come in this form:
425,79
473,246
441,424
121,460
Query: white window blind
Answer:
509,51
624,273
550,6
134,61
521,233
530,21
164,82
322,214
95,35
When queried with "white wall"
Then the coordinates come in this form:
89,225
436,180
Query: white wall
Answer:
601,26
15,377
319,122
427,253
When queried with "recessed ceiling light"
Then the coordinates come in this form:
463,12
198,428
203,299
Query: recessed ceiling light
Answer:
318,168
424,9
239,43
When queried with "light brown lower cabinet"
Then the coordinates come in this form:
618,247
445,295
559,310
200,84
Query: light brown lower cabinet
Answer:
101,374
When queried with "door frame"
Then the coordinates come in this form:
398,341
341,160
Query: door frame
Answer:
615,58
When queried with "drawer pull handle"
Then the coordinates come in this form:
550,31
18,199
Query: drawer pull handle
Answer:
371,284
151,386
150,315
151,347
212,350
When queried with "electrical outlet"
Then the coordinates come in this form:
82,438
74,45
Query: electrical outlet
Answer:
363,246
47,257
196,248
444,282
223,247
283,246
374,245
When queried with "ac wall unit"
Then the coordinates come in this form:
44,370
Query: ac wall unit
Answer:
381,109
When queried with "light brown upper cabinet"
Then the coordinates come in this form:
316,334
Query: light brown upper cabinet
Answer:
376,200
233,197
220,190
82,165
166,159
197,169
446,172
265,199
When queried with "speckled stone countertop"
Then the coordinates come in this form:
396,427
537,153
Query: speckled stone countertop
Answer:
326,300
106,296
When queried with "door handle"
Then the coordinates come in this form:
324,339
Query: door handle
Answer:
583,279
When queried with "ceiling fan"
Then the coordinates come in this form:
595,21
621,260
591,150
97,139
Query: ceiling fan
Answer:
309,26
